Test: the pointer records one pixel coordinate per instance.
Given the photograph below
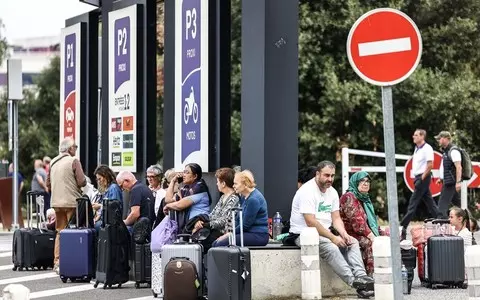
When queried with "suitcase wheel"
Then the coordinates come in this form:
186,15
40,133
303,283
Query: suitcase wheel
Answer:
14,268
137,285
119,285
104,286
149,285
95,285
155,295
64,279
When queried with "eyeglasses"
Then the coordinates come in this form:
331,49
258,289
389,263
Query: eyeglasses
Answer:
365,181
151,176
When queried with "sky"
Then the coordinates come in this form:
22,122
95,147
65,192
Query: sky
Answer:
38,18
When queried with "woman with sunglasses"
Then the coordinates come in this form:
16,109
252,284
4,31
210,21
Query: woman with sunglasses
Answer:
358,215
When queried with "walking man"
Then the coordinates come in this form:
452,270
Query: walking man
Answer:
422,163
316,204
450,174
65,180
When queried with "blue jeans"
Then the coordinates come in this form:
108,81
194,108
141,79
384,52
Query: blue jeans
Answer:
249,239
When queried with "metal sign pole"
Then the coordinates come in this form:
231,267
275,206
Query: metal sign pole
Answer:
389,139
15,224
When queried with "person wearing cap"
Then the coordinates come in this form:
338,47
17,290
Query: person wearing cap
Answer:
422,163
450,174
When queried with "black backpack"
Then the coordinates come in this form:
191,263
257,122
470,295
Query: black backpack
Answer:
142,229
467,171
82,217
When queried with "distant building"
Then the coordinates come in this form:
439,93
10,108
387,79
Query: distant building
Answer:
35,54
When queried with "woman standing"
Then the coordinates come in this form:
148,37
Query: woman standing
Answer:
358,215
154,178
254,213
108,187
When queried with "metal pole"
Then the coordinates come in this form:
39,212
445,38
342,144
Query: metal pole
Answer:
15,224
464,194
99,127
345,175
389,138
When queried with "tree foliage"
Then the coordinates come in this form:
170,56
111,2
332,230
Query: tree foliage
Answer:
337,109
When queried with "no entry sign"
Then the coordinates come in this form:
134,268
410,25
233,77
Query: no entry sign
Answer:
384,46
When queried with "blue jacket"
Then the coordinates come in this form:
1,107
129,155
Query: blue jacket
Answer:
255,213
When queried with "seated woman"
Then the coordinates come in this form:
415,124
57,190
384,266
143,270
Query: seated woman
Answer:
358,215
193,199
108,188
219,217
254,213
459,218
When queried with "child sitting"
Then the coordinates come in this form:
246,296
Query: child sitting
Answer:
460,220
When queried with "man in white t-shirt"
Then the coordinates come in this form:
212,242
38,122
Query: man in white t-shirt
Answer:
422,163
316,204
450,173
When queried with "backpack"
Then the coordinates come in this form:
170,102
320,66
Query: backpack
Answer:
466,162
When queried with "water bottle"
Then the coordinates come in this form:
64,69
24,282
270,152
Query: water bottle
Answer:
277,225
404,280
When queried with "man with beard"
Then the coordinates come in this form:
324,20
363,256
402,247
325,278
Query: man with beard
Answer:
316,204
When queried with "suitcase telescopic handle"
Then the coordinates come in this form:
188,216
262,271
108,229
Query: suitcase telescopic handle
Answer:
440,221
79,202
233,238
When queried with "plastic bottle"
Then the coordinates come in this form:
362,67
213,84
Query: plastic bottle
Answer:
404,280
277,225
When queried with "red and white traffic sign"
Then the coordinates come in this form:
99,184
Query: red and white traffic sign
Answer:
435,188
384,46
474,182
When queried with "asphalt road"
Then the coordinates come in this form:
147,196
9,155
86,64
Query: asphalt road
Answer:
47,284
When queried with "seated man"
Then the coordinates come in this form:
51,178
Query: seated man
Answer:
316,204
140,198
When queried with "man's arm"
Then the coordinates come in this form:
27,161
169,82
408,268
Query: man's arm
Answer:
41,182
79,175
428,169
458,167
311,221
338,223
133,216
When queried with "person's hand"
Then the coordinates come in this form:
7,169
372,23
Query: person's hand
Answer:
225,236
96,206
198,226
458,186
339,242
347,238
371,237
166,208
439,181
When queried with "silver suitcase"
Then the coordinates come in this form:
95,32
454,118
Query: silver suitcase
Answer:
182,248
157,275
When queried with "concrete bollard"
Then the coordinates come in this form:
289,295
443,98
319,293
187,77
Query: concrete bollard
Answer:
16,292
472,266
310,256
382,262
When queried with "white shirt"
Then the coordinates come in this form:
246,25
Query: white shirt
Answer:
456,157
421,156
310,200
158,199
467,237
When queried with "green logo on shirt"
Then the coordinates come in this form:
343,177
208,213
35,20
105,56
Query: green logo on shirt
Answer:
324,208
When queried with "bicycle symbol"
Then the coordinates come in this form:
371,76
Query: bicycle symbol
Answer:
191,108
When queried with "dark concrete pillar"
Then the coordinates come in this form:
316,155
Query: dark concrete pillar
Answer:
269,146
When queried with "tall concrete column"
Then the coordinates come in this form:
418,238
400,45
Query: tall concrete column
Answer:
269,145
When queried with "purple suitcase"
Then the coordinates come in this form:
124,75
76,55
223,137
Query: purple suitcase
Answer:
77,252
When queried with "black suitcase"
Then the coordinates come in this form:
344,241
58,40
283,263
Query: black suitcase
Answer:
113,248
228,269
445,262
142,264
33,247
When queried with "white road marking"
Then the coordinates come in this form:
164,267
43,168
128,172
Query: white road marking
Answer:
61,291
384,47
28,278
5,254
6,267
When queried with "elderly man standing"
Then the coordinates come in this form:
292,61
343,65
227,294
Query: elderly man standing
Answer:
65,180
141,198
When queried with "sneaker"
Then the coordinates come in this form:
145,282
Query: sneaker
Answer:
56,269
363,294
363,283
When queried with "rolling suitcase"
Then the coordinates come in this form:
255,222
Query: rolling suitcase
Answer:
182,264
77,249
157,275
445,261
113,247
142,264
228,268
33,247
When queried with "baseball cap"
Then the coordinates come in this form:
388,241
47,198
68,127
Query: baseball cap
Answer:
443,134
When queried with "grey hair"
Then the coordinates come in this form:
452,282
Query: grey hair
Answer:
65,144
155,169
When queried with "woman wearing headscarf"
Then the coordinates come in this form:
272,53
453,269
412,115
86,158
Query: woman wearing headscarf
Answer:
358,215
